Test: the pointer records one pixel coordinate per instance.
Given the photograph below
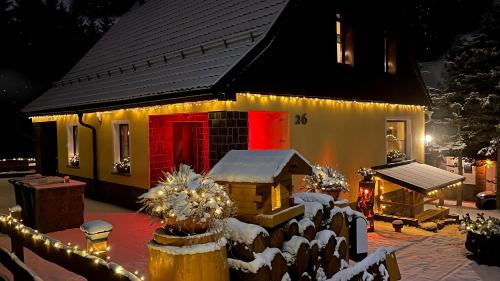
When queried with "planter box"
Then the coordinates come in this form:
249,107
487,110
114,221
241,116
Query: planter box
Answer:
486,250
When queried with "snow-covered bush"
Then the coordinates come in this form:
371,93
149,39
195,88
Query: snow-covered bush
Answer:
325,178
484,226
184,196
365,172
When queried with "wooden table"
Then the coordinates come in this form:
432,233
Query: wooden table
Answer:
48,203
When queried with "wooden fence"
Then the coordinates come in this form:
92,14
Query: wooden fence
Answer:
73,259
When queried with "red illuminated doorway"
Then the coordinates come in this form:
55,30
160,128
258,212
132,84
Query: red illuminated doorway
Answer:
185,147
268,130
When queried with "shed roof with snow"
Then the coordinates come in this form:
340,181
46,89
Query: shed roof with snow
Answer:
417,176
259,166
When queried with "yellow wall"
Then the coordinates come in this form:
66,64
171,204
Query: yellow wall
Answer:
345,135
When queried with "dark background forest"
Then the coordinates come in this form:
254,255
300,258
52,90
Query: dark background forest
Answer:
42,39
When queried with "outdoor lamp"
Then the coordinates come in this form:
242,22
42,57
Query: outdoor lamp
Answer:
428,139
97,233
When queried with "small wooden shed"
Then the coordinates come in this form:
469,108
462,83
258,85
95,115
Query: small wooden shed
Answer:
260,183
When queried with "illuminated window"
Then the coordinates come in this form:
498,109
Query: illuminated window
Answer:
396,139
121,154
389,54
73,143
339,39
344,41
276,197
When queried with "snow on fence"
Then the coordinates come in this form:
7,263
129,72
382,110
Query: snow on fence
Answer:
73,259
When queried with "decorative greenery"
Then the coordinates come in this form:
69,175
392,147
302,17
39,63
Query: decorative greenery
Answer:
395,155
325,178
75,160
364,172
187,196
484,226
123,166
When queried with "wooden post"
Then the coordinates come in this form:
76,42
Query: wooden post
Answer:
16,245
441,198
460,187
412,204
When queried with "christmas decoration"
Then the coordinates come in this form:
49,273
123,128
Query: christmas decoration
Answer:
187,202
366,173
483,237
74,160
122,167
395,156
326,179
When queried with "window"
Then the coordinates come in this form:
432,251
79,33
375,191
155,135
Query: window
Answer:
339,39
276,197
73,155
389,54
121,133
344,41
396,140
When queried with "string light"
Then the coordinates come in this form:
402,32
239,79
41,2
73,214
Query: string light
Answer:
9,221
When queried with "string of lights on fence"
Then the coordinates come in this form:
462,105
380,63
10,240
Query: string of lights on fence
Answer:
50,242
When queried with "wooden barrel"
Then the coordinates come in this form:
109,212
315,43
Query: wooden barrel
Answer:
195,257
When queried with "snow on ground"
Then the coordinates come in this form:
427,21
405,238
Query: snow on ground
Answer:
427,256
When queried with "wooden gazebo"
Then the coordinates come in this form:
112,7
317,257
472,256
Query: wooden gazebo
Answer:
403,188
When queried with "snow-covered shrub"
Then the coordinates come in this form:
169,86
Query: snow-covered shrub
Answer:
185,196
325,178
484,226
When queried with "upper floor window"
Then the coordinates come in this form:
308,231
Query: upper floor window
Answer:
121,135
344,41
389,54
73,155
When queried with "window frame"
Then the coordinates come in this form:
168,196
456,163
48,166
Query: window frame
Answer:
73,143
118,145
408,134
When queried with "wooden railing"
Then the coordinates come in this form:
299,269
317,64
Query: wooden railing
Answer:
73,259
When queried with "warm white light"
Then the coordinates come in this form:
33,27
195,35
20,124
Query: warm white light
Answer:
428,139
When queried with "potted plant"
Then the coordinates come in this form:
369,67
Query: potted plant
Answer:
187,202
395,156
123,166
327,180
483,237
74,160
366,173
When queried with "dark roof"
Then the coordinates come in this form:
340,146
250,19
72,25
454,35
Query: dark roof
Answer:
417,177
160,49
184,50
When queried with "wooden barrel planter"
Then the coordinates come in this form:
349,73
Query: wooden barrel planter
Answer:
179,258
485,249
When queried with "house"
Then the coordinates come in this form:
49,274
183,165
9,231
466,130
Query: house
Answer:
187,81
260,183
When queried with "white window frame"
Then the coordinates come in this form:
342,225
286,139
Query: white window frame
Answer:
115,125
70,140
408,133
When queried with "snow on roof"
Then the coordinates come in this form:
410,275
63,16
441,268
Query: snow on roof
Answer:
253,166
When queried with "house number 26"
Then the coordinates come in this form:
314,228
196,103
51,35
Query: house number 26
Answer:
301,119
